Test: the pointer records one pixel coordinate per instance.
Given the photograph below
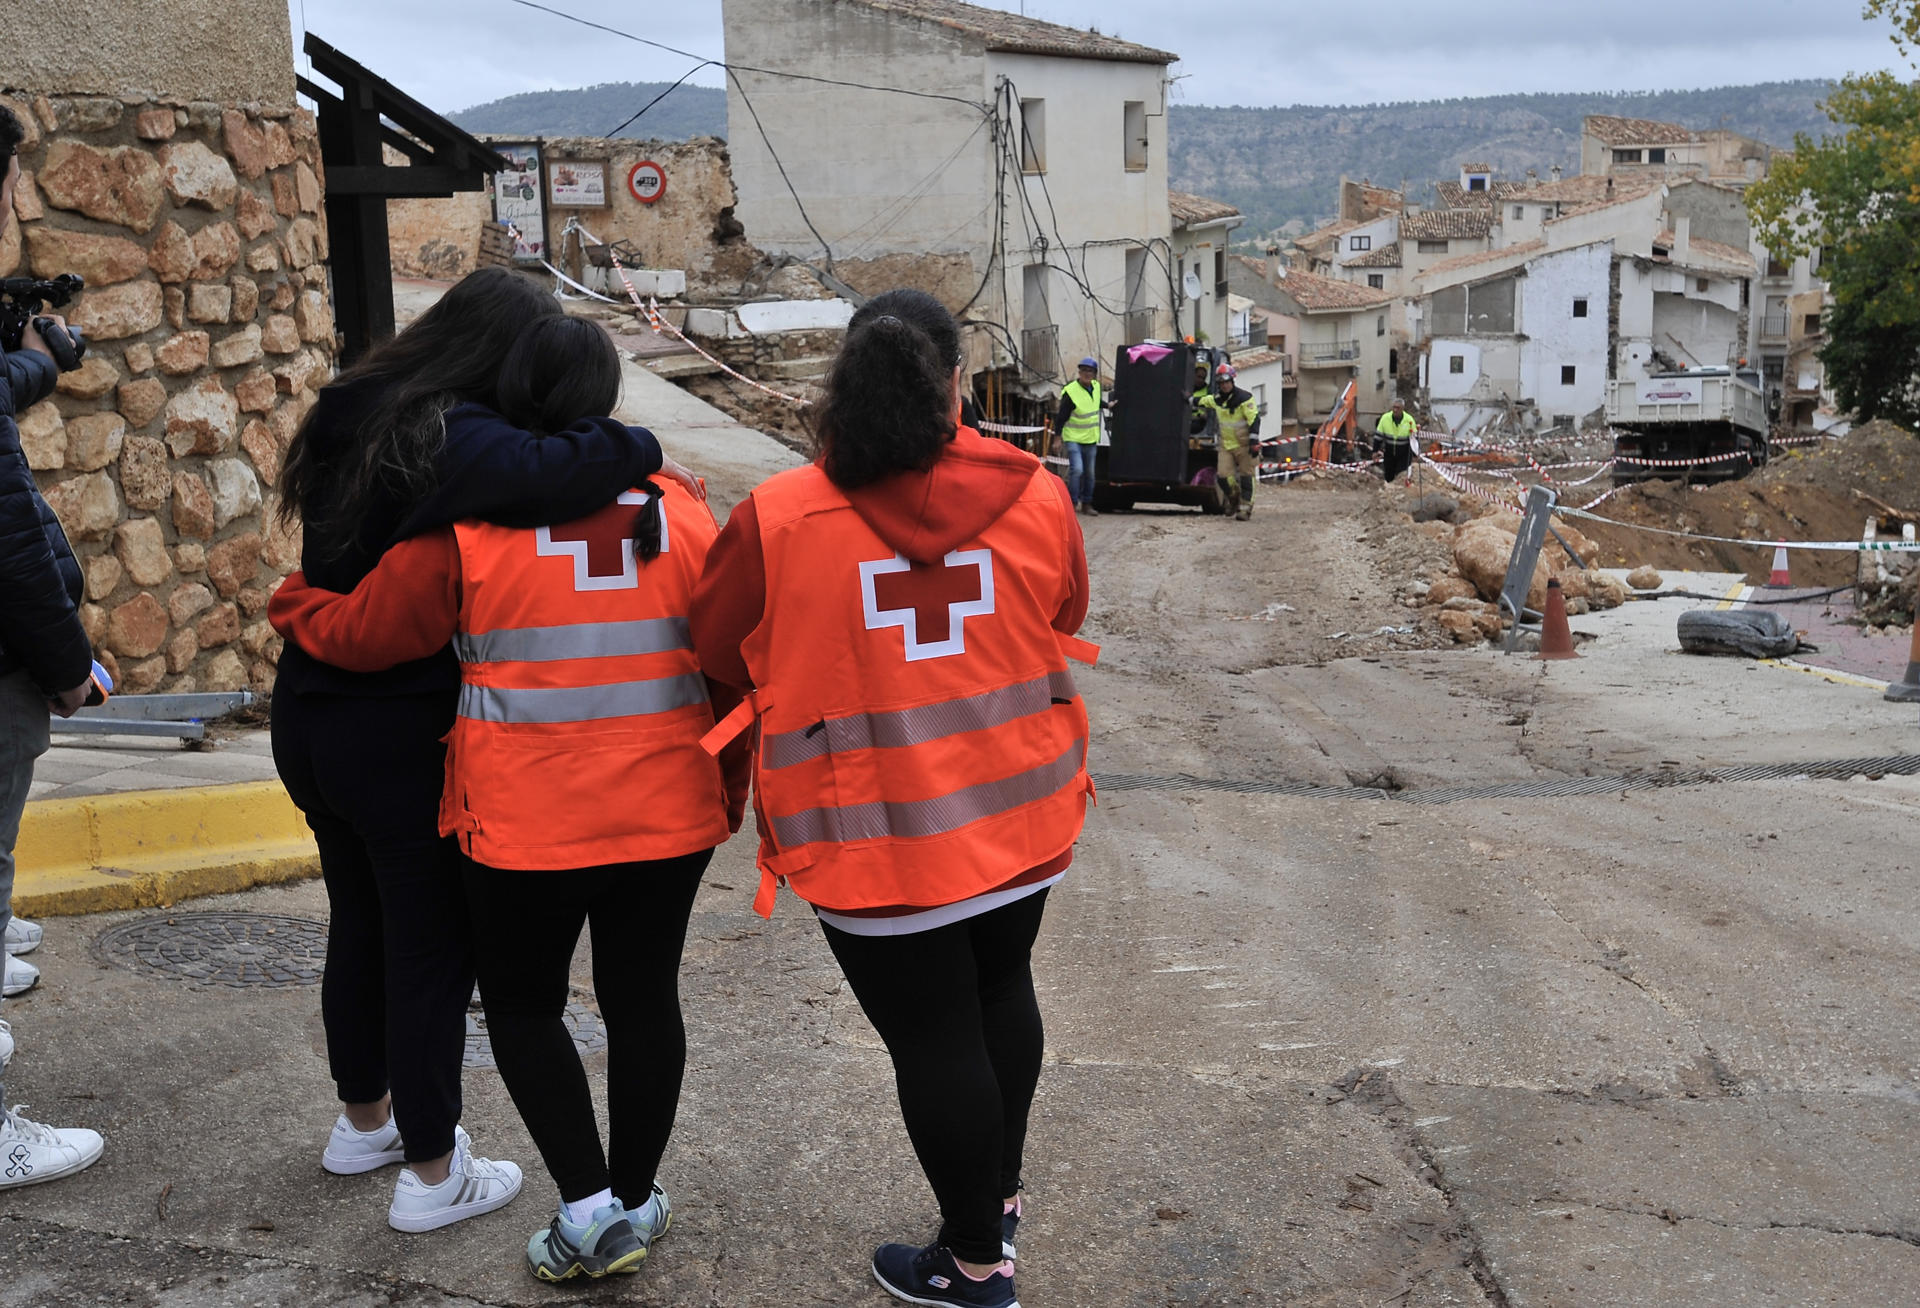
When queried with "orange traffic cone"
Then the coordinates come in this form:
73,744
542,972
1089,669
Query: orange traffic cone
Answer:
1782,578
1556,638
1907,689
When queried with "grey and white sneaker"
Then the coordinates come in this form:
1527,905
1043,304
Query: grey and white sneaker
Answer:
21,976
473,1186
6,1045
350,1152
23,937
31,1153
652,1218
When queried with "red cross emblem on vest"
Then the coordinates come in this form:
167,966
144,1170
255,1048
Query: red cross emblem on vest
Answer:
929,602
601,545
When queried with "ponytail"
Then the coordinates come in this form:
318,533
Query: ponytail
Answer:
889,395
650,526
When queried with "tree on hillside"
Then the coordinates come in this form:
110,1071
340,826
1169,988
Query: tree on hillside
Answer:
1857,195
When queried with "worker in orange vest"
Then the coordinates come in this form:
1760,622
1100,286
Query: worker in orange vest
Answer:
902,611
576,784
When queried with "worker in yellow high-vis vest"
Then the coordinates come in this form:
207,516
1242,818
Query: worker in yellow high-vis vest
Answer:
1393,440
1237,418
1078,422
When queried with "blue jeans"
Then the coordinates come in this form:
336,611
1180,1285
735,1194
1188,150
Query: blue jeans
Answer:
1080,470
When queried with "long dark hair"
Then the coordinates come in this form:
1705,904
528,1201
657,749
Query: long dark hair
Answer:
889,395
452,353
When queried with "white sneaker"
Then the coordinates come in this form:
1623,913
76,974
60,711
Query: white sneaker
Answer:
23,937
6,1045
473,1186
350,1152
21,976
31,1153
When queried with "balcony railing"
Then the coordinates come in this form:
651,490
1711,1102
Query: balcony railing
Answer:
1773,327
1314,354
1040,352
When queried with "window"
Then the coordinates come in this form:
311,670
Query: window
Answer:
1626,156
1220,274
1566,374
1775,268
1656,155
1133,128
1476,183
1457,364
1033,136
1813,324
1378,281
1774,370
1519,211
1579,308
1379,379
1701,284
1432,247
1033,286
1563,420
1380,325
1359,242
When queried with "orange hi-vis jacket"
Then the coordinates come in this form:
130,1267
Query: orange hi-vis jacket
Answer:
921,740
581,702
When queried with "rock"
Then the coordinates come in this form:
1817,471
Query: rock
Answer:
1434,508
231,564
226,671
136,628
1468,604
120,184
1645,578
93,440
144,472
188,599
280,335
43,437
1574,585
260,446
254,215
236,491
1488,624
257,638
103,574
87,506
263,258
139,357
102,260
182,686
1418,590
1605,591
209,302
91,114
216,248
282,297
183,354
189,557
314,317
140,400
192,506
9,249
1449,587
93,378
253,602
142,550
282,551
27,205
155,124
303,243
307,186
172,255
221,626
194,174
142,677
202,420
93,621
242,347
181,651
1460,626
286,196
255,391
176,302
130,309
255,147
1556,555
246,298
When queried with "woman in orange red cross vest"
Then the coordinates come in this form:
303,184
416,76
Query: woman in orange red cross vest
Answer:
575,783
902,610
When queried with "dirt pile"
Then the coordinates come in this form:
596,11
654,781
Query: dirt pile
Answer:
1821,492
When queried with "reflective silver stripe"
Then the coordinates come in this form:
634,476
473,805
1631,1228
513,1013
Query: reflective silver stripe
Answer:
915,726
928,817
620,699
579,640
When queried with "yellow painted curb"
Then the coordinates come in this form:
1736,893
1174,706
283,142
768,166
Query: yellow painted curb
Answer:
146,848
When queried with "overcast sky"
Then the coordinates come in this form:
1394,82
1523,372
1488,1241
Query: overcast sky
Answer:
456,53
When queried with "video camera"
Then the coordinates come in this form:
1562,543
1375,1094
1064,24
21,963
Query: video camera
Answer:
21,299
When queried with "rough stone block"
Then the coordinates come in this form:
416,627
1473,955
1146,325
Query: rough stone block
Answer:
307,186
246,299
139,400
236,491
314,317
90,113
28,207
282,550
255,639
255,147
102,260
181,651
189,558
188,599
93,378
264,257
93,440
183,354
139,357
142,677
9,249
93,621
231,564
258,442
142,551
43,437
226,670
171,257
103,574
254,215
280,335
145,476
253,602
136,628
155,124
282,297
115,312
196,175
192,506
216,248
87,506
202,419
255,391
286,196
209,302
176,302
120,184
220,626
241,347
302,242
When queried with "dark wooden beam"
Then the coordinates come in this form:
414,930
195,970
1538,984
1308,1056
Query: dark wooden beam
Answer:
398,182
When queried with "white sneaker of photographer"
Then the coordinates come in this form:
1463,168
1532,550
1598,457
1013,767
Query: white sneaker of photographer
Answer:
23,937
350,1152
473,1186
21,976
31,1153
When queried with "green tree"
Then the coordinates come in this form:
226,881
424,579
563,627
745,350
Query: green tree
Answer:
1856,196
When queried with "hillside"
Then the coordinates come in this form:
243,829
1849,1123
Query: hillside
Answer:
687,111
1284,165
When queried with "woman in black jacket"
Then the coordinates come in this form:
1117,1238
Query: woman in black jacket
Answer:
401,442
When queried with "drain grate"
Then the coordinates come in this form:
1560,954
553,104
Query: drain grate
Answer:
588,1035
1900,765
220,949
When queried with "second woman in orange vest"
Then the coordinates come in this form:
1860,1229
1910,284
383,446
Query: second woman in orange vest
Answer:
902,610
575,783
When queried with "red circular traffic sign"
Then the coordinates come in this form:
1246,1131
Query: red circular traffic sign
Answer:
647,181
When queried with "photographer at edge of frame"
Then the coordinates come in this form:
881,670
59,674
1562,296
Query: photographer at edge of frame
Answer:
45,660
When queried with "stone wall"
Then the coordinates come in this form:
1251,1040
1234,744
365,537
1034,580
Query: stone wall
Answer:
199,229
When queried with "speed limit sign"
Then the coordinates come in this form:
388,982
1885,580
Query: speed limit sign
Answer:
647,181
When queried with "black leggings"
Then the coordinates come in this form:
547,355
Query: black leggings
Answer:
525,927
956,1009
367,774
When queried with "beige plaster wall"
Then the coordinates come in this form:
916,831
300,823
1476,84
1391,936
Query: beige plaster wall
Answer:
220,50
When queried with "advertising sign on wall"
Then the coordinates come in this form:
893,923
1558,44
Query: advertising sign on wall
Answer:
1669,390
516,199
577,184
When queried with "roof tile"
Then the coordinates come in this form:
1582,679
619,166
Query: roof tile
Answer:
1317,294
1190,209
1635,131
1016,33
1447,224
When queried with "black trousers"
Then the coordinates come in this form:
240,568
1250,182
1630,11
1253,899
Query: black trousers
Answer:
1395,458
367,774
956,1009
526,925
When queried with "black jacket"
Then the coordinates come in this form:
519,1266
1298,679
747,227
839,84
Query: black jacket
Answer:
487,469
40,580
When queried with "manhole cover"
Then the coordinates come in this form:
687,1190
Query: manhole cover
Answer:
588,1035
220,949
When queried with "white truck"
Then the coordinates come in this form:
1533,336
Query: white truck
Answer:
1697,424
